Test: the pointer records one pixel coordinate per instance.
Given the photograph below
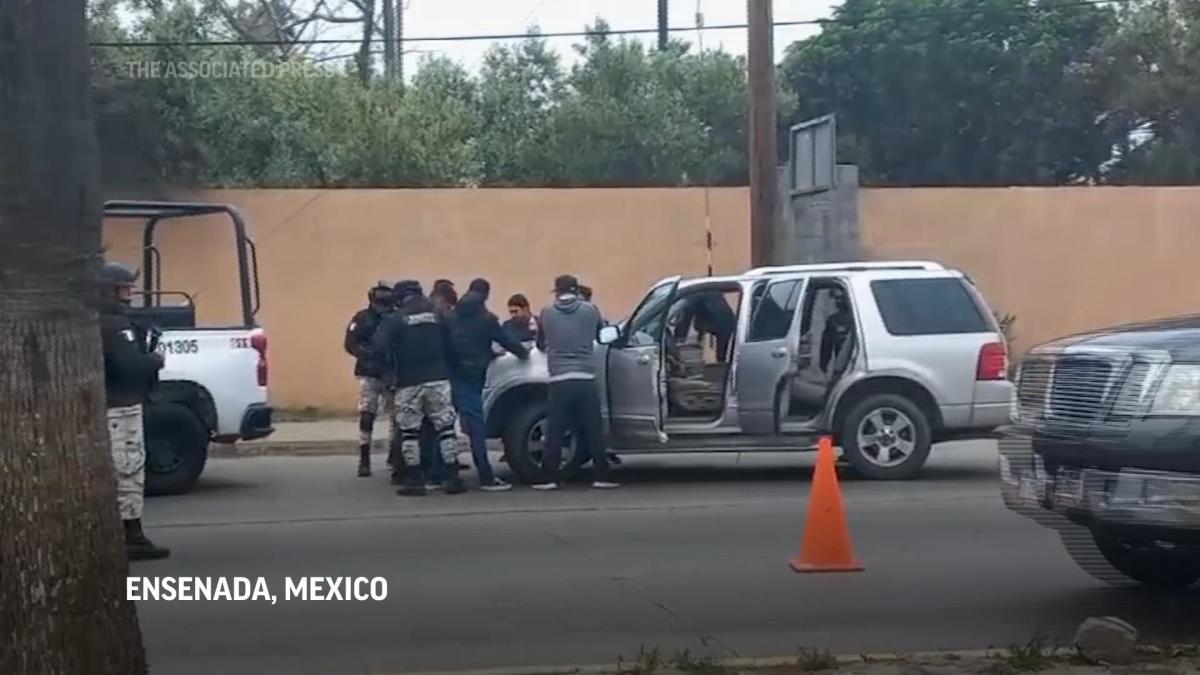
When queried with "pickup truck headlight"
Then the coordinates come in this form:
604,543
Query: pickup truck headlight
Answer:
1179,392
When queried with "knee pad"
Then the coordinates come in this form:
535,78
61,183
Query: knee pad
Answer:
443,425
410,434
366,421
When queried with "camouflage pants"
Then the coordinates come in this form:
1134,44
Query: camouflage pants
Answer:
371,390
126,435
414,405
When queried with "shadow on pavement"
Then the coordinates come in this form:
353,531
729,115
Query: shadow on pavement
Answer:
656,470
213,485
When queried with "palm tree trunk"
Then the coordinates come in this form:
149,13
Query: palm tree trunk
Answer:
62,564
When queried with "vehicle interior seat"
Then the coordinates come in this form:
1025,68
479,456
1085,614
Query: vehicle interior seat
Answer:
694,388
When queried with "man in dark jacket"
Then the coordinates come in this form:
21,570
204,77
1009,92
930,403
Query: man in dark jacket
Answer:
368,368
568,335
473,331
839,329
416,343
710,314
443,296
129,372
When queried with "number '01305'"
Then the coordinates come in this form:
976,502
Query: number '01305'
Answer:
179,347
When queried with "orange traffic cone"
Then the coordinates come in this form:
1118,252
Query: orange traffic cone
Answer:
826,546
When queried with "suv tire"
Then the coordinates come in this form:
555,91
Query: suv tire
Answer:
901,453
519,436
1121,563
176,448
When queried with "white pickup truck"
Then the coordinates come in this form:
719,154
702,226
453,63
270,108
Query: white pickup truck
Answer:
213,385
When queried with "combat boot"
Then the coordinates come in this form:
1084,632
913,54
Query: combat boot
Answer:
454,486
412,489
414,483
138,547
364,461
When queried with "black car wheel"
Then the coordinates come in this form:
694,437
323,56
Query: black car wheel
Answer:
176,448
1120,561
524,442
886,437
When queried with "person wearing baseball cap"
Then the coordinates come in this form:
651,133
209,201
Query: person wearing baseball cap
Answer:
568,333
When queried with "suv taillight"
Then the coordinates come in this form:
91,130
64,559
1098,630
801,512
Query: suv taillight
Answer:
993,362
258,340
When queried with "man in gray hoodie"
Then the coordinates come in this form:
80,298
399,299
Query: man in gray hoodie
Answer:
568,335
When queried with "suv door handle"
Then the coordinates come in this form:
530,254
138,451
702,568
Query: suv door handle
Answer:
779,352
643,360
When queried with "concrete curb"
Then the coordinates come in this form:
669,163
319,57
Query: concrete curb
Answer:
750,663
296,448
268,448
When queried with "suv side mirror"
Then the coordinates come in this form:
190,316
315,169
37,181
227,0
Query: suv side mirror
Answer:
609,335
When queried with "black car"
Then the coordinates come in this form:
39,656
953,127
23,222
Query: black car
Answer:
1104,447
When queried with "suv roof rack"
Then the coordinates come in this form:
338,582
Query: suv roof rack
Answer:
849,267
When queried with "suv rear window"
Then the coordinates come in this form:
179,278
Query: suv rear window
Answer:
928,307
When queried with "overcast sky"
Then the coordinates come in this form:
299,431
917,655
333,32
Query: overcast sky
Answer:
435,18
462,17
438,18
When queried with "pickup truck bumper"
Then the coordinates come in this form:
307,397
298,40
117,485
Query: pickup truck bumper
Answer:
256,422
1163,503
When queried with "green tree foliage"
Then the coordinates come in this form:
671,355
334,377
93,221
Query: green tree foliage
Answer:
642,117
927,92
520,90
625,115
960,92
1155,87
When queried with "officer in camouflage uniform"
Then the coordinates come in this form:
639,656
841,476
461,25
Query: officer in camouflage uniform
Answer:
369,368
130,371
417,343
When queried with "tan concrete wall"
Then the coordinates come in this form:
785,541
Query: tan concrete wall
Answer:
1060,259
321,250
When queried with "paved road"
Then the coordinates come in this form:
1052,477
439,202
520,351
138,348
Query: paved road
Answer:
691,553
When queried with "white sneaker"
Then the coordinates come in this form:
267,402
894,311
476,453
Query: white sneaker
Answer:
605,485
498,485
544,487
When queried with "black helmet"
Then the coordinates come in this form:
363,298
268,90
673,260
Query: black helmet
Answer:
406,288
380,288
117,274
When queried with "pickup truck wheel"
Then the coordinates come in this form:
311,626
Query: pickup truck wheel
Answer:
176,448
524,440
886,437
1120,562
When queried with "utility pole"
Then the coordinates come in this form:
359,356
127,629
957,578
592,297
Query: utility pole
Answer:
399,27
764,178
393,41
662,25
389,40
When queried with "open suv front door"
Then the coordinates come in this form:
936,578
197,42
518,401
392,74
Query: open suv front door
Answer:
636,373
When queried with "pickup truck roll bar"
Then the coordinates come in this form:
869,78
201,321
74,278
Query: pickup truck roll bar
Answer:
154,211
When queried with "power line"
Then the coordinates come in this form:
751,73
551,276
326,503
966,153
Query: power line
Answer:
897,16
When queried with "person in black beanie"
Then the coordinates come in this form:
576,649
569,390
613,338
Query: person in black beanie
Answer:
473,332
